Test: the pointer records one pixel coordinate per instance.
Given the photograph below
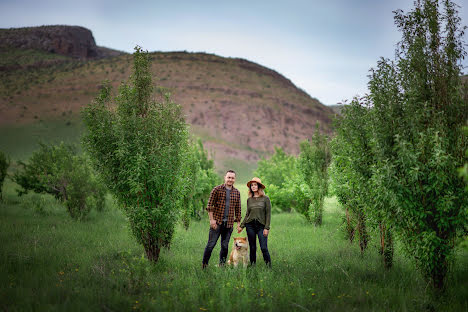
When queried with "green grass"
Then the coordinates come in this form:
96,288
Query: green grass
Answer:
20,141
13,56
244,170
50,263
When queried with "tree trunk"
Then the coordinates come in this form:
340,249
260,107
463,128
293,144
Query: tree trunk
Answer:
386,246
152,248
439,271
349,227
318,212
362,230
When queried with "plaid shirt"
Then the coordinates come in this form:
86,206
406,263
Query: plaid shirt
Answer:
217,205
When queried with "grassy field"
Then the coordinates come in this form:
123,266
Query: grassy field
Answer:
20,141
50,263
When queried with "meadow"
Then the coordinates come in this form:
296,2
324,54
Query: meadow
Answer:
48,262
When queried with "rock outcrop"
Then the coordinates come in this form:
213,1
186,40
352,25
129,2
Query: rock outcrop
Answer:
74,41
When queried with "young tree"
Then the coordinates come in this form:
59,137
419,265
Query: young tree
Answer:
351,170
4,164
313,163
138,146
418,112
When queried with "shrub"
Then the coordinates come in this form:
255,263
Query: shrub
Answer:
58,170
138,146
280,175
199,179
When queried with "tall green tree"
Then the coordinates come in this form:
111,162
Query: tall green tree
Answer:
351,170
138,146
418,112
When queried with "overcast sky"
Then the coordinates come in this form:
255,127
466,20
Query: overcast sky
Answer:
324,47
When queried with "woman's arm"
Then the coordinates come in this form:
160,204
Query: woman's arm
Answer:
267,213
246,214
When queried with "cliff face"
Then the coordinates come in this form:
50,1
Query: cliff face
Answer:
74,41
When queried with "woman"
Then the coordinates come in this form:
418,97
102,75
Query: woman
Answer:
257,220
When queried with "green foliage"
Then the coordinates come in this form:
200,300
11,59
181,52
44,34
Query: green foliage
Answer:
58,170
422,90
351,170
464,170
4,164
138,146
280,176
97,266
199,179
313,163
404,162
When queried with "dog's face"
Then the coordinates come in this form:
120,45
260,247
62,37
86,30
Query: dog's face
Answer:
240,243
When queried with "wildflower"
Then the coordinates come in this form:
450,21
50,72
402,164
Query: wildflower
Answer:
61,272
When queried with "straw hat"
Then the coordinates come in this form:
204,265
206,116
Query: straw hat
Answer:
256,180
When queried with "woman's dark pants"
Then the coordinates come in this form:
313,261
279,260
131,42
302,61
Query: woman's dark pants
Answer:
255,228
225,233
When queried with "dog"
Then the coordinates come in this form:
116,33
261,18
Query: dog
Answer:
240,252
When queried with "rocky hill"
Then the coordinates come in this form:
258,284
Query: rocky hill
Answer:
240,109
74,41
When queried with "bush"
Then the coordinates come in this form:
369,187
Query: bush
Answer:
199,179
280,176
58,170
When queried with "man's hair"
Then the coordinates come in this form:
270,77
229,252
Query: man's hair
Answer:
230,170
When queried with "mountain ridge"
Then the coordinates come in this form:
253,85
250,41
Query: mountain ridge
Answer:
239,108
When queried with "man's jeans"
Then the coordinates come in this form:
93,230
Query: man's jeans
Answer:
255,228
225,233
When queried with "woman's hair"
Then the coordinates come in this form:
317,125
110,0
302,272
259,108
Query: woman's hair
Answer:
260,191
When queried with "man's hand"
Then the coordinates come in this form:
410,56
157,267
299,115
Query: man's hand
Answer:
239,229
213,224
265,232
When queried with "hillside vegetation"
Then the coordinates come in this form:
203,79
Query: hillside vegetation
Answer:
240,109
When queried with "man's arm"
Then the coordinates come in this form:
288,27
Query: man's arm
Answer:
238,212
213,223
210,207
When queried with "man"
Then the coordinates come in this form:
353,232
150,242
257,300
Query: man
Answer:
224,208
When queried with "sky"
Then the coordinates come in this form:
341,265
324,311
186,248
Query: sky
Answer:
325,47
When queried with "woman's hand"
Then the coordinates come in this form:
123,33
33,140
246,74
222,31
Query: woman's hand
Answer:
239,229
265,232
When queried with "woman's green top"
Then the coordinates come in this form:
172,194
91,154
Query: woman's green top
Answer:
258,208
